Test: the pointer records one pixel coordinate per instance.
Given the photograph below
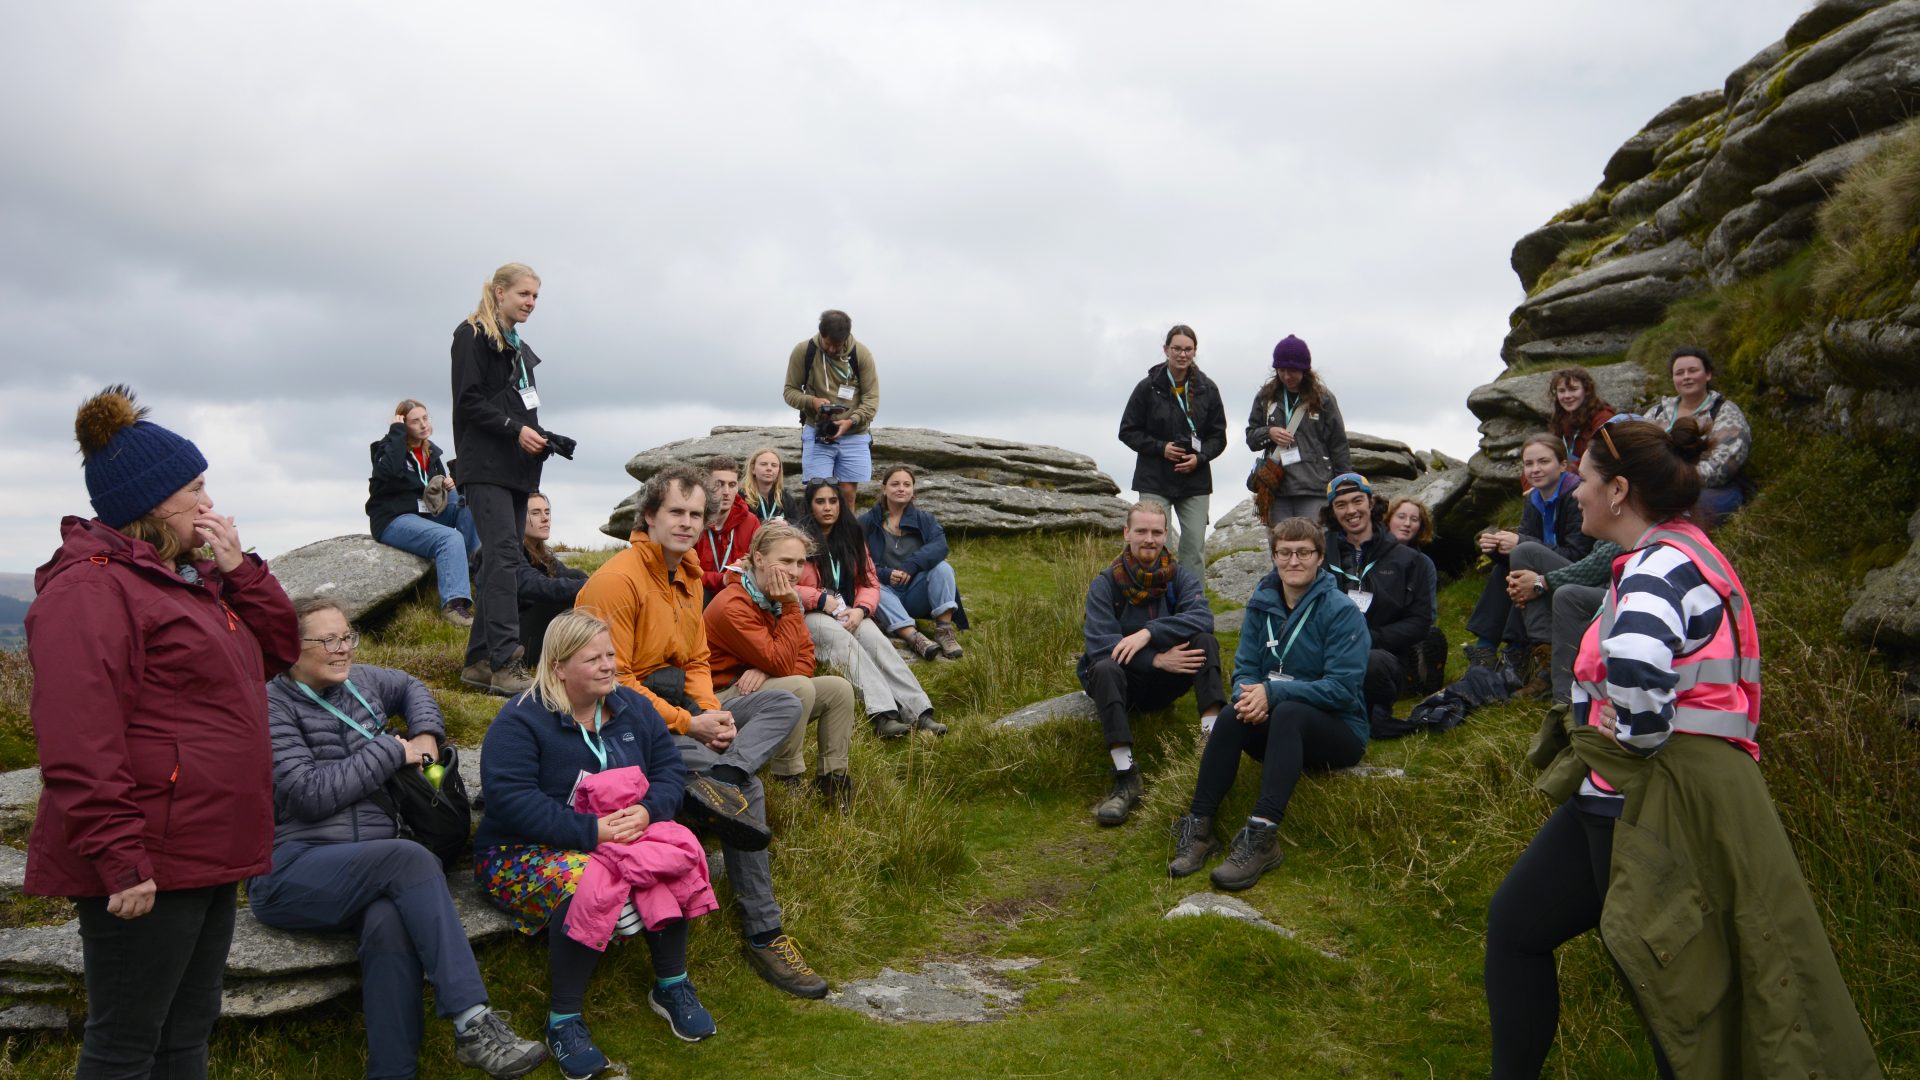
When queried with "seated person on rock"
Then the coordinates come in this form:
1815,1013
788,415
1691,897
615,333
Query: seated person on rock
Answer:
729,528
1578,410
1411,523
840,589
1723,488
1149,634
1390,583
757,633
763,487
916,582
1299,702
649,596
535,850
339,863
1550,537
412,505
547,585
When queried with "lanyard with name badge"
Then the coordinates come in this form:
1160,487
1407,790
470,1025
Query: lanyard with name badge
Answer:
1290,455
340,716
1280,652
1181,399
1361,596
713,549
528,395
417,468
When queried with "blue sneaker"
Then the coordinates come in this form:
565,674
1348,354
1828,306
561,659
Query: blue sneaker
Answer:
689,1019
573,1050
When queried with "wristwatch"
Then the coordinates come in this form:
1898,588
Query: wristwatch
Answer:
1540,585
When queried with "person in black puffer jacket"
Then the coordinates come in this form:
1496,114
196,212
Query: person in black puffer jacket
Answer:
1177,425
339,862
412,505
1391,583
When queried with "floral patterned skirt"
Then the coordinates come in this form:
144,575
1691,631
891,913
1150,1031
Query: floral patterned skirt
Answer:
529,881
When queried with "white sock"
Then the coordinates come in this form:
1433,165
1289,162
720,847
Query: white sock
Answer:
1262,822
465,1020
1122,757
1206,723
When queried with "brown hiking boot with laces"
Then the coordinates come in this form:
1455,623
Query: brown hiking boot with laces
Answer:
949,641
781,964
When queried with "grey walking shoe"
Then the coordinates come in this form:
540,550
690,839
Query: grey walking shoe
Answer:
490,1045
949,641
458,612
1255,850
926,722
477,676
887,725
510,680
1193,844
922,645
1119,803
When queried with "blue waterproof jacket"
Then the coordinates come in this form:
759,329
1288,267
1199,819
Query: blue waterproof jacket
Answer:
1327,662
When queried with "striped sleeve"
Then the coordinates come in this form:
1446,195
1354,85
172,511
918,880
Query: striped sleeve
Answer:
1666,610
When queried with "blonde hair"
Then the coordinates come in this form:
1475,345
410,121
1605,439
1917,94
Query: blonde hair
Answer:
774,532
486,318
152,528
406,406
568,633
751,487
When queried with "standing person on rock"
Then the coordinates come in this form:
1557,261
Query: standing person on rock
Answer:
149,717
832,380
1297,429
649,597
1391,584
1149,640
412,505
730,526
499,448
1176,424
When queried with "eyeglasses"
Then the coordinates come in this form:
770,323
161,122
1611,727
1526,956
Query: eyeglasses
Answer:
1294,555
342,643
1180,350
1608,435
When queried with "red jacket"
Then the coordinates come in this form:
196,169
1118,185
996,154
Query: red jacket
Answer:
150,710
725,546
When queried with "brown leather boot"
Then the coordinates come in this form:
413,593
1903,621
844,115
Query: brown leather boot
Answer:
1539,682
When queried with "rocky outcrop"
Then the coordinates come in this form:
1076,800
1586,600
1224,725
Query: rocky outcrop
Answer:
971,483
364,576
1887,611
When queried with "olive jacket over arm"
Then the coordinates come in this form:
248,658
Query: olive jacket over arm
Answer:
1154,418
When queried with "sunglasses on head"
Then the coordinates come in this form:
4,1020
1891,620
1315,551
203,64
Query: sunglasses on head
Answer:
1608,435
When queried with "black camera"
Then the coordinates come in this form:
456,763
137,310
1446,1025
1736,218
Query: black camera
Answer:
557,444
827,428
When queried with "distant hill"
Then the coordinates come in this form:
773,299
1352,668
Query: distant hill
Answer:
19,586
13,610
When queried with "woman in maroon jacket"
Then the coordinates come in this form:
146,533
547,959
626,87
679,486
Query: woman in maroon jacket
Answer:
150,712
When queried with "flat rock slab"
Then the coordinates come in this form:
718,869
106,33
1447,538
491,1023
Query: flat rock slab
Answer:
35,1016
1229,907
13,870
1372,772
255,998
357,572
1074,706
19,797
965,991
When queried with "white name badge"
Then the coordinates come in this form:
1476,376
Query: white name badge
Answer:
422,503
1362,599
1194,441
1290,456
1277,676
530,397
846,393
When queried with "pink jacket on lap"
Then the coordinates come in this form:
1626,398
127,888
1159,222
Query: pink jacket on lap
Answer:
664,871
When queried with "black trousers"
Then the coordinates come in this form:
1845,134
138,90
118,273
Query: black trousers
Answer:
500,517
1296,736
1137,686
153,984
1494,617
570,964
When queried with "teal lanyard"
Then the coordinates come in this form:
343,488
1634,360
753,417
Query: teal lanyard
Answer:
759,598
522,360
595,742
1287,403
713,549
414,466
1359,580
769,508
844,374
1182,400
834,565
343,717
1299,623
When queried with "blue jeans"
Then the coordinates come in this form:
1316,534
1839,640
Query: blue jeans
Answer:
848,459
449,540
928,595
1716,503
393,894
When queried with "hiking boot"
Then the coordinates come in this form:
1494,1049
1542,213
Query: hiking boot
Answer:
689,1019
949,641
490,1045
887,725
926,722
510,680
715,803
922,645
781,964
1193,844
1255,850
458,612
1113,809
1513,664
573,1050
1481,656
1539,682
837,786
789,783
478,676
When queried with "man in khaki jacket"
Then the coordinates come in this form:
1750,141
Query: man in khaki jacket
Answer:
832,377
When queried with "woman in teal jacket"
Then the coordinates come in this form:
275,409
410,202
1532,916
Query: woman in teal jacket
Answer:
1298,701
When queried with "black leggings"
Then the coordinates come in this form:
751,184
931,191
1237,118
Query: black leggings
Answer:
570,964
1295,736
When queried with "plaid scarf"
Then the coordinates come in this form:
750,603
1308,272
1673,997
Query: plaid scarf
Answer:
1142,584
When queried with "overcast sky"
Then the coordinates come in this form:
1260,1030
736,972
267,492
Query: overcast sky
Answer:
269,218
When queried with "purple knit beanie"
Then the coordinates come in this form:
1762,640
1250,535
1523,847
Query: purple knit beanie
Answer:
1292,353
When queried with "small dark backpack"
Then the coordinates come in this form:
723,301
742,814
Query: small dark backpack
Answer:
438,819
